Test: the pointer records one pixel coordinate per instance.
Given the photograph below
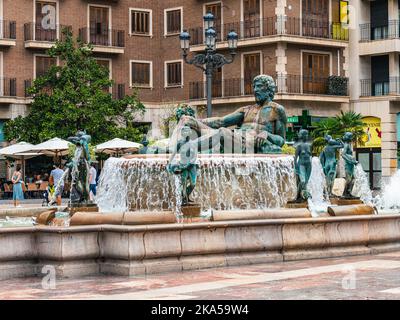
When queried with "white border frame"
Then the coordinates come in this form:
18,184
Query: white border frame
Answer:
165,21
57,17
41,55
150,86
166,86
317,52
109,20
150,11
242,66
222,15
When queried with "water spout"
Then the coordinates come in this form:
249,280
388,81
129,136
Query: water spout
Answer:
319,201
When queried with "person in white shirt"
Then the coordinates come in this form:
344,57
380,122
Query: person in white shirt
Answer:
57,175
92,179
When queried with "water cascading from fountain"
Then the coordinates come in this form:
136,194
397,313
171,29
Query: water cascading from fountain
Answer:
319,200
226,182
389,199
58,186
361,185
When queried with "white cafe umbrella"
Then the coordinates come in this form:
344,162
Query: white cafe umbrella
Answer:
54,147
118,145
21,151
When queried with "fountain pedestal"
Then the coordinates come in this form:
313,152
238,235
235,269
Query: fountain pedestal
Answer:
191,210
345,201
82,207
296,205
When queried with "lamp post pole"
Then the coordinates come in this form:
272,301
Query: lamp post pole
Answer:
210,60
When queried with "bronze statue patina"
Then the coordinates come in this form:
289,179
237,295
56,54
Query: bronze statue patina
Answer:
186,166
328,160
79,167
303,165
349,164
258,128
145,143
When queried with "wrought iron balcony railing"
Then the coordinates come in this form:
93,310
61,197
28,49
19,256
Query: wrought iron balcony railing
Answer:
36,32
8,29
106,37
8,87
277,25
118,91
286,84
374,88
370,32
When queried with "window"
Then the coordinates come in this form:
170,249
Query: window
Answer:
99,25
45,21
316,70
141,74
216,10
173,21
251,69
315,16
173,76
141,22
106,63
43,65
251,18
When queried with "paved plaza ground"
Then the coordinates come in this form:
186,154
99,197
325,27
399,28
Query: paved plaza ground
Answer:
27,203
359,277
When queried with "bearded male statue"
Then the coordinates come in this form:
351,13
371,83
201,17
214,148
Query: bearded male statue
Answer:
257,128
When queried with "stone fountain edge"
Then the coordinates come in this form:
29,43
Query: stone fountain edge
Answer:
132,250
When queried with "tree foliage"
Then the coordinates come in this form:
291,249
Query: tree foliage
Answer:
349,121
74,95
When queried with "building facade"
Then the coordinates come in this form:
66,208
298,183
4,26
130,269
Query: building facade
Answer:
374,83
299,42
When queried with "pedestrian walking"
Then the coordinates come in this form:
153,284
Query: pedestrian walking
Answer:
92,180
57,174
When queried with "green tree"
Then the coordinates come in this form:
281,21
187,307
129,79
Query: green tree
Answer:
336,127
74,95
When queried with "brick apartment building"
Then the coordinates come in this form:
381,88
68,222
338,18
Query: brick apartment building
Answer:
374,83
301,43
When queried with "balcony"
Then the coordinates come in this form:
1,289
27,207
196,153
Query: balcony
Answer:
27,85
379,39
118,91
8,90
288,29
373,88
37,37
289,87
8,33
105,41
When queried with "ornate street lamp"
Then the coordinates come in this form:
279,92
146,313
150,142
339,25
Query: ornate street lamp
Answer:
209,60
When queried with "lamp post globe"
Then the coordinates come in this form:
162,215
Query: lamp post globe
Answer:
232,40
211,37
184,38
208,20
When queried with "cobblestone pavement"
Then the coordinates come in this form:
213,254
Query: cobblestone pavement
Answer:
359,277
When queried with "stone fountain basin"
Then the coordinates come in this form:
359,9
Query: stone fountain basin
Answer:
135,250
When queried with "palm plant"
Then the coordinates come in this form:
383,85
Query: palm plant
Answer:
349,121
